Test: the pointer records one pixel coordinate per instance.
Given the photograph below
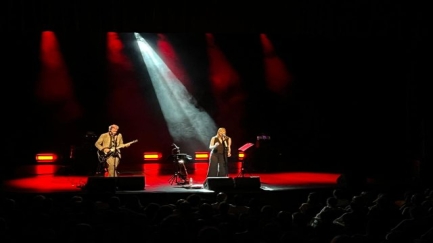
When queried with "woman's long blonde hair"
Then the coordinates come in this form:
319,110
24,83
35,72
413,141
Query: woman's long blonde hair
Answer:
221,129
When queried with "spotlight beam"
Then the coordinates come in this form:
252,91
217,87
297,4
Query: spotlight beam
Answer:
184,119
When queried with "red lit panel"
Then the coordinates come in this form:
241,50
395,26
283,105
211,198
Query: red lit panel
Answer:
46,157
152,156
201,155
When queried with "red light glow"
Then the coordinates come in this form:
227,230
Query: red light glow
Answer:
152,155
201,155
46,157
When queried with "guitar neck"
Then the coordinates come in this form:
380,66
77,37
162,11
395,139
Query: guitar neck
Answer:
121,146
125,144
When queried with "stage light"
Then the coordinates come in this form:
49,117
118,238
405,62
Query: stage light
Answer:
201,155
243,149
46,157
241,155
179,107
152,156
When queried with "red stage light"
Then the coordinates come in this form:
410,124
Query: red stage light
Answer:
201,155
152,155
46,157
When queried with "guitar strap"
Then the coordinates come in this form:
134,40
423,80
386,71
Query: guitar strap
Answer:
113,140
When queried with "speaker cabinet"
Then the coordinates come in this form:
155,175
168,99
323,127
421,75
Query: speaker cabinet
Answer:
100,184
248,183
219,183
111,184
130,183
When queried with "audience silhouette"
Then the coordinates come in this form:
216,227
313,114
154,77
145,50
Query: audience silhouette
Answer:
372,216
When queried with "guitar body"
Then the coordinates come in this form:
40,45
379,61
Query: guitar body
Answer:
102,156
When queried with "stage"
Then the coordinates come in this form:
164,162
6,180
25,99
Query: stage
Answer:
155,178
153,182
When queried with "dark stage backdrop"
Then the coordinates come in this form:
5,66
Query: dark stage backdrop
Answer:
352,104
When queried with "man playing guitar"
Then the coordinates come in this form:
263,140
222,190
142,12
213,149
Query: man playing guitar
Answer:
108,144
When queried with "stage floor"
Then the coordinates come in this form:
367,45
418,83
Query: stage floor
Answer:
152,182
47,179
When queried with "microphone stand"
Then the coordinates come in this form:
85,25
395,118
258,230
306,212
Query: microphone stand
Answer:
116,161
225,138
116,153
